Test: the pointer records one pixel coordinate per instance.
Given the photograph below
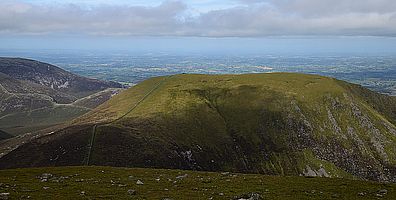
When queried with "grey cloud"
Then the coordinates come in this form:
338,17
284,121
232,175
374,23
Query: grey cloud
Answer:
335,7
269,20
254,18
251,1
117,20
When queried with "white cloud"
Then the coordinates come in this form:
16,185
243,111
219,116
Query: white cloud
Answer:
249,18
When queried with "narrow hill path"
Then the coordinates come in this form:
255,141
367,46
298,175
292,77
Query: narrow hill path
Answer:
92,140
142,99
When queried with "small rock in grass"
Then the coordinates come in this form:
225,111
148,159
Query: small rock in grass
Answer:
45,176
131,192
82,192
383,191
250,196
182,176
221,194
4,196
361,193
139,182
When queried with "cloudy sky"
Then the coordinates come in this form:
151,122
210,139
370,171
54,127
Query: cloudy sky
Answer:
197,18
222,18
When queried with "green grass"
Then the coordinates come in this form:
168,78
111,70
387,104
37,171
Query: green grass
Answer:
114,183
119,105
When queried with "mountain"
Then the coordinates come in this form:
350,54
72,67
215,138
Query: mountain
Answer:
276,123
53,77
35,95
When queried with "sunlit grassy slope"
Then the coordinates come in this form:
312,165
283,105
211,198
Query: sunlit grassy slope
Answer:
114,183
179,90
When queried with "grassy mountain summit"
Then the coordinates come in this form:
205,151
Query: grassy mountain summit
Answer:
278,123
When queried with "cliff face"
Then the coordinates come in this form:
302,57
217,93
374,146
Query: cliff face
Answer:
281,123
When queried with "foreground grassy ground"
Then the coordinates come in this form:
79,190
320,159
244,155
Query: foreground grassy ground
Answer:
137,183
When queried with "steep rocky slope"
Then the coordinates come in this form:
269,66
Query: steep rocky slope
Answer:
18,95
280,123
53,77
35,95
